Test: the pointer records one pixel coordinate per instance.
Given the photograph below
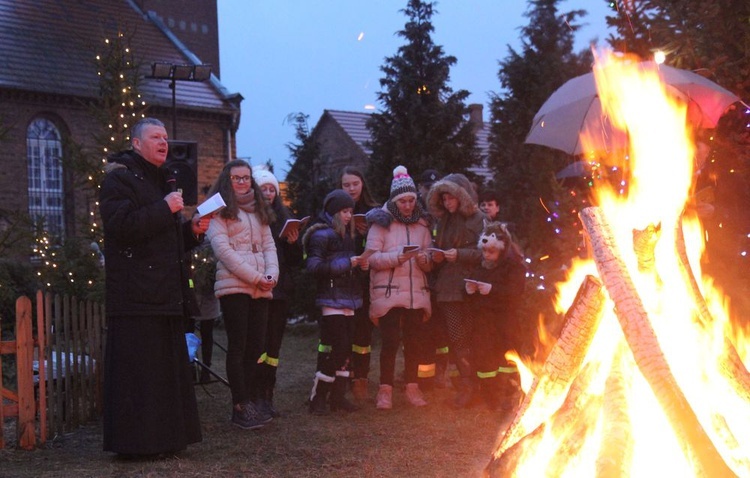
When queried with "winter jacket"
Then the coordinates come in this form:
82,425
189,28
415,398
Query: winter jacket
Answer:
289,255
338,285
393,284
459,231
146,273
501,307
246,253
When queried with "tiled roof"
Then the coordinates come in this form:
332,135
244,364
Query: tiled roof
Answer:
50,46
355,125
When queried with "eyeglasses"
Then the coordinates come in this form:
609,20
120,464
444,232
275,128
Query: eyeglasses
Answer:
240,179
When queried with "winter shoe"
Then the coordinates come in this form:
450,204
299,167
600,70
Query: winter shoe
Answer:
384,399
338,399
256,413
241,420
465,394
319,397
359,389
414,395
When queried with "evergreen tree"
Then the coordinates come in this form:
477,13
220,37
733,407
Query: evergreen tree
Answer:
543,212
709,37
422,123
305,187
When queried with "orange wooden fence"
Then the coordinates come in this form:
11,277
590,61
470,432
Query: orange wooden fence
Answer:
59,367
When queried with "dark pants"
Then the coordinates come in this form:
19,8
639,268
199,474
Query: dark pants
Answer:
277,314
361,343
394,326
335,344
245,320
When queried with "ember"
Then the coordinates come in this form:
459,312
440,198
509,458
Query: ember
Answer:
643,380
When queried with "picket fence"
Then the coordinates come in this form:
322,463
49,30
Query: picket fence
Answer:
59,368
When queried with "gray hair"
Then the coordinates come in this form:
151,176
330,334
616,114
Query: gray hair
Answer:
138,128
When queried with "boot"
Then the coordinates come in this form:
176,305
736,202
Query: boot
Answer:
465,393
414,395
359,389
319,396
384,400
441,369
338,399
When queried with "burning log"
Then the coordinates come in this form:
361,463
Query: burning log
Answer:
560,369
640,335
567,417
732,366
617,443
562,364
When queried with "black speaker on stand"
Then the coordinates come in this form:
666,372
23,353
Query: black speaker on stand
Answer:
182,161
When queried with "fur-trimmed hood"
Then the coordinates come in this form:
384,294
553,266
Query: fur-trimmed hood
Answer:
457,185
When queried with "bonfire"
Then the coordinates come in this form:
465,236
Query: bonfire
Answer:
645,378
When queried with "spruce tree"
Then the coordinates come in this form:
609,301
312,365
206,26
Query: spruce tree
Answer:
421,124
542,211
305,189
711,38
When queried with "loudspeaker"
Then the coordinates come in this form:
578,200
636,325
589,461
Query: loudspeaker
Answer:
182,161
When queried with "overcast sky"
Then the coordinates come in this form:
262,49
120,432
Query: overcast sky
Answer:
290,56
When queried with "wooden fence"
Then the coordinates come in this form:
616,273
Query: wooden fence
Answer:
59,367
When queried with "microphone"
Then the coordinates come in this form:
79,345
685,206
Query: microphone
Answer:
172,180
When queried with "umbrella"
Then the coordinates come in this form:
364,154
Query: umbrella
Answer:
575,169
574,108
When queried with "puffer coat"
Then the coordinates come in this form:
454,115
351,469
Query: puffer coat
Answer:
246,253
145,267
393,284
459,230
338,284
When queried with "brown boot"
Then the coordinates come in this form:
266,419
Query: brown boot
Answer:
359,389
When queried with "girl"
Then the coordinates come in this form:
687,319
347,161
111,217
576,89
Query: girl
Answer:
246,273
399,294
453,202
353,182
289,253
331,260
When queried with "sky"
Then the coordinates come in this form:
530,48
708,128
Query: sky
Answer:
305,56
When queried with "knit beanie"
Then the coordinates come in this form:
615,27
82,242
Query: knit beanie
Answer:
263,176
337,200
402,184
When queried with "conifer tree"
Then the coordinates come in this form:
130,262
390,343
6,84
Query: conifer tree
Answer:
422,123
541,210
305,187
711,38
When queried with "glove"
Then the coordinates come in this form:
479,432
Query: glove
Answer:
484,288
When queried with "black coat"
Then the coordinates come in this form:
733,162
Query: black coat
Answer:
145,270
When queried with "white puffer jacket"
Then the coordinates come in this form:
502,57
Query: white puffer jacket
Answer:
246,253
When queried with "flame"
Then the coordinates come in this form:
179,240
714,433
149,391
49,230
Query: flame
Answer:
658,168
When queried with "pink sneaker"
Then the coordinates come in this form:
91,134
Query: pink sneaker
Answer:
384,399
414,395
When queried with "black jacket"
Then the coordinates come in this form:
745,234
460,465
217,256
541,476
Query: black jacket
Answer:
145,271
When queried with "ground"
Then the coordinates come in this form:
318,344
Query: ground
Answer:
434,441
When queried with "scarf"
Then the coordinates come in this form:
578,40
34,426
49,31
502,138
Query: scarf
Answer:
416,215
246,202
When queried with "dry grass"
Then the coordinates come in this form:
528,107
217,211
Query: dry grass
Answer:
434,441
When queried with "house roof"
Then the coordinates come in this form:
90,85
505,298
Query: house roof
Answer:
50,46
355,125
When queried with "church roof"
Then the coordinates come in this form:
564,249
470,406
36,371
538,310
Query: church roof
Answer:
50,46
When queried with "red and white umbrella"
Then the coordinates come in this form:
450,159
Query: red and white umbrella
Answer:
574,109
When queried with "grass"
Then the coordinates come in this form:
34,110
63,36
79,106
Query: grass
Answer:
432,441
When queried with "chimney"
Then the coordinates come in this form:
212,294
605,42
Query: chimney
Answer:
475,117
